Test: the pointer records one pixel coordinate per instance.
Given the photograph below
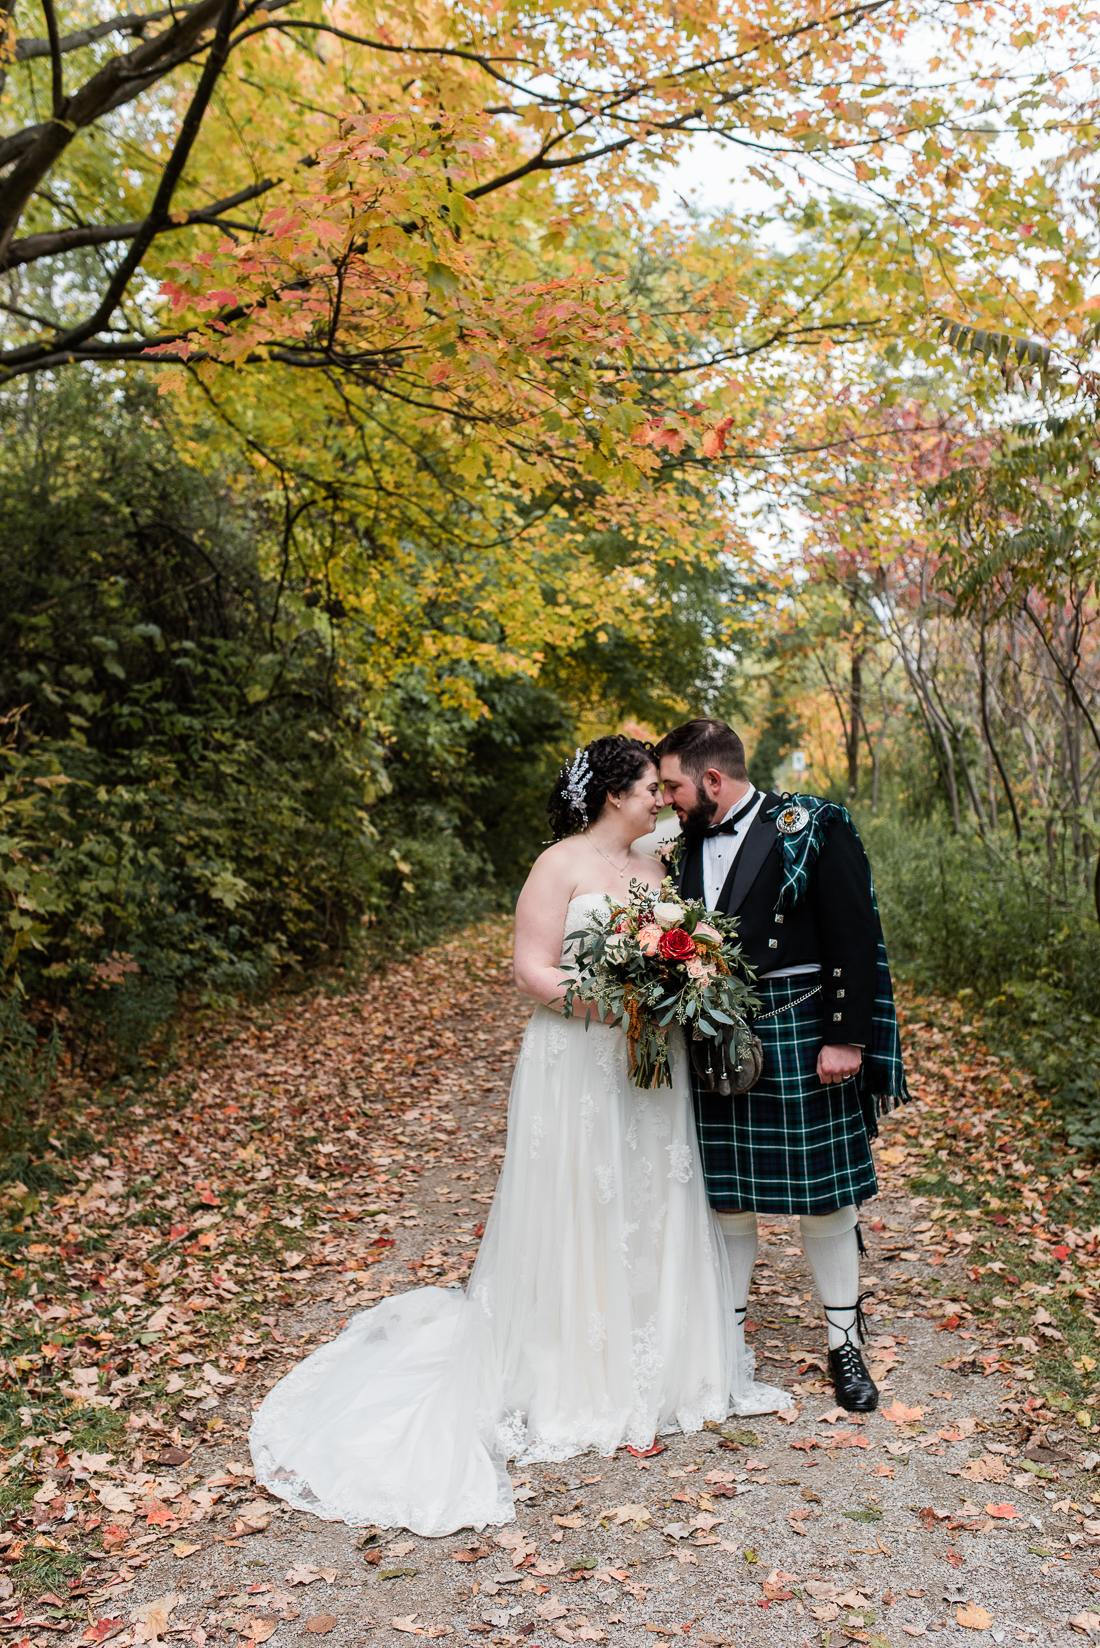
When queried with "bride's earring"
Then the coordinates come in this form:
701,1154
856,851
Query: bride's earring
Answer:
615,803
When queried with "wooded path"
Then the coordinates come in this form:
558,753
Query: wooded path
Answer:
317,1154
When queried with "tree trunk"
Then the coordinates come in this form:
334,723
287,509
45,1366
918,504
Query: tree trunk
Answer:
855,718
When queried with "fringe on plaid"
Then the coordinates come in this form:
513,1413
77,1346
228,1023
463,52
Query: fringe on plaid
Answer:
882,1077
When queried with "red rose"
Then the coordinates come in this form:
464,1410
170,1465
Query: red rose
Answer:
676,945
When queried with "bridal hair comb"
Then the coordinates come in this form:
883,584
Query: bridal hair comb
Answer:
577,775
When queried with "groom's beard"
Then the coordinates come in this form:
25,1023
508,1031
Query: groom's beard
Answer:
697,819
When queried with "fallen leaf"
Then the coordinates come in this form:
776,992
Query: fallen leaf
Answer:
1006,1512
623,1513
321,1624
261,1627
181,1549
986,1469
1088,1624
246,1525
475,1553
151,1618
898,1414
568,1521
551,1609
303,1573
103,1630
973,1617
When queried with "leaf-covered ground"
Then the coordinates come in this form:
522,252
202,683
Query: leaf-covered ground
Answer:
309,1157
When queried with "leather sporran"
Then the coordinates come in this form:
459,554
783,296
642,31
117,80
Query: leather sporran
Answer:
718,1068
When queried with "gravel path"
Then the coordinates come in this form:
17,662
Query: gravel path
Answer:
954,1512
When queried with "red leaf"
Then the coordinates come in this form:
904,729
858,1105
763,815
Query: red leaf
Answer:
102,1630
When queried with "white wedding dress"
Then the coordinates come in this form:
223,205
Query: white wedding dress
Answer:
598,1312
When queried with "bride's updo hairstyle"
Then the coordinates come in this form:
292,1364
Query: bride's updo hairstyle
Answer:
608,764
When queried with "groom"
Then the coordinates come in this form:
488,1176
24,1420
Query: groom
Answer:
794,874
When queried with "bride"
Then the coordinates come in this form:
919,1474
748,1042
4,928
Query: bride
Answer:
599,1311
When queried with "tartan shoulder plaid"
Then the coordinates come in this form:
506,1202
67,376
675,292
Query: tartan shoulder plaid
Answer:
882,1078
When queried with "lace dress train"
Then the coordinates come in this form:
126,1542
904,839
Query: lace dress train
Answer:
598,1313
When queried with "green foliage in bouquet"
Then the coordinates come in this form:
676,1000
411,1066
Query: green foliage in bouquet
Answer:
658,960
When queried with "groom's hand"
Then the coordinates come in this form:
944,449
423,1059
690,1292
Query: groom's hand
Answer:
837,1061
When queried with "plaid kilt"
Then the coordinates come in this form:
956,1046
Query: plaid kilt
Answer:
791,1144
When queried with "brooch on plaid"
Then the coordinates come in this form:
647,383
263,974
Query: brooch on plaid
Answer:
801,823
792,819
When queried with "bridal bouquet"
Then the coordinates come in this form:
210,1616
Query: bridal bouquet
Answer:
659,960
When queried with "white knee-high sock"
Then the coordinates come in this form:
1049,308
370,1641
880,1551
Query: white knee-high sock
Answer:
742,1239
831,1246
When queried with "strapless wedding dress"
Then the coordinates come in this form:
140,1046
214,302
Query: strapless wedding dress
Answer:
598,1312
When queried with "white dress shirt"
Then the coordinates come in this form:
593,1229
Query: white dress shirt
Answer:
720,851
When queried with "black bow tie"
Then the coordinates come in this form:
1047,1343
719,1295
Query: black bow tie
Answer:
729,826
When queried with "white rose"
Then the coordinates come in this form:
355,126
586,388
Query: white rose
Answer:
669,915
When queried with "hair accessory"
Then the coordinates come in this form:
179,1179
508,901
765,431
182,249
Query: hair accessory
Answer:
577,775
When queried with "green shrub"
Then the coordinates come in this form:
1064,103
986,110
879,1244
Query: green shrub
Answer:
1015,933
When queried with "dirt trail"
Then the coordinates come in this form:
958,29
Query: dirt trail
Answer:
957,1511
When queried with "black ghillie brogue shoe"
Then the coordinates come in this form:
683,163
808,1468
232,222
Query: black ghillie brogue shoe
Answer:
856,1391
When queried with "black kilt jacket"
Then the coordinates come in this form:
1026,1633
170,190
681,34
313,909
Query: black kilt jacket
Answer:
793,1144
835,924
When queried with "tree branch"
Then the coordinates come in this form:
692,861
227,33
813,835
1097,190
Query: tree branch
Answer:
52,242
118,81
158,213
128,23
57,79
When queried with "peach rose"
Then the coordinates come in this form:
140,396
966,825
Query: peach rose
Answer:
648,939
703,930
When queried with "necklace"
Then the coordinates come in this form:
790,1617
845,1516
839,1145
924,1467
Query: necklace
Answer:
610,861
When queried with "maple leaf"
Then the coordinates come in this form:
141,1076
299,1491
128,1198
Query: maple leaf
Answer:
898,1414
973,1617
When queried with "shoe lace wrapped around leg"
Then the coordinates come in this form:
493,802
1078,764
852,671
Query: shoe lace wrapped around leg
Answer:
860,1323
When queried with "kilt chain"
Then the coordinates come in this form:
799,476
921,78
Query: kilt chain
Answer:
759,1018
